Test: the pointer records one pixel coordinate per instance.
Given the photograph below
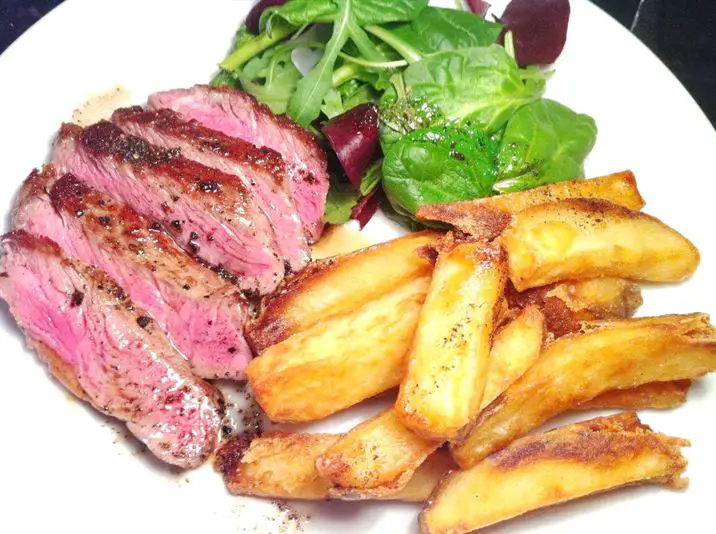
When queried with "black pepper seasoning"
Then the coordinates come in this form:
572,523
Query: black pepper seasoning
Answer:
77,298
143,321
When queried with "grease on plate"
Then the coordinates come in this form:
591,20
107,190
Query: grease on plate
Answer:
101,106
340,240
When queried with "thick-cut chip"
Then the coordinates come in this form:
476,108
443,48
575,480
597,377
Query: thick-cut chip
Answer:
515,348
341,361
579,367
599,298
655,396
566,305
588,300
447,369
282,465
378,457
278,465
478,217
580,238
692,323
425,479
336,286
555,467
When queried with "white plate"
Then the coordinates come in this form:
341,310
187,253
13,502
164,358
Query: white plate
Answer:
66,469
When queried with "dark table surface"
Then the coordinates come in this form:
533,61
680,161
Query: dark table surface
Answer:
682,34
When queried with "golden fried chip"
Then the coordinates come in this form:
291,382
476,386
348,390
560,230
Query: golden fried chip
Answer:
579,367
579,239
555,467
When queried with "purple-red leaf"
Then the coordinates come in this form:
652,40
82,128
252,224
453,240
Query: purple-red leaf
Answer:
478,6
539,28
254,17
354,138
367,207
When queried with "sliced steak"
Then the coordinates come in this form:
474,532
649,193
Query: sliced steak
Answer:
260,170
239,114
115,354
203,314
208,212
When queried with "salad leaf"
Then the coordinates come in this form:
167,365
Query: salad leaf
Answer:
483,85
403,219
438,165
363,43
372,177
299,13
356,93
400,115
348,96
332,104
305,104
341,200
254,17
479,7
272,78
383,11
539,28
544,142
438,29
302,12
223,77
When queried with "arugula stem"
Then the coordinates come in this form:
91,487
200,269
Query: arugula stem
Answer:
408,52
374,64
510,44
255,46
223,78
366,48
345,73
300,31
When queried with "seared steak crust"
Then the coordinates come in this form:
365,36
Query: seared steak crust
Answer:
260,170
109,349
209,213
238,114
203,315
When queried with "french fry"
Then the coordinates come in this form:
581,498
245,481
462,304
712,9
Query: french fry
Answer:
579,367
567,304
588,300
380,456
599,298
515,348
580,238
448,362
694,324
336,286
481,218
426,478
555,467
341,361
282,465
655,396
277,464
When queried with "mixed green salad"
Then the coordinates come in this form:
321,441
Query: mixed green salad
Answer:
420,104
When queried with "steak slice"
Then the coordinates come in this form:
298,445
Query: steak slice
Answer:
260,170
119,358
208,212
203,314
239,114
